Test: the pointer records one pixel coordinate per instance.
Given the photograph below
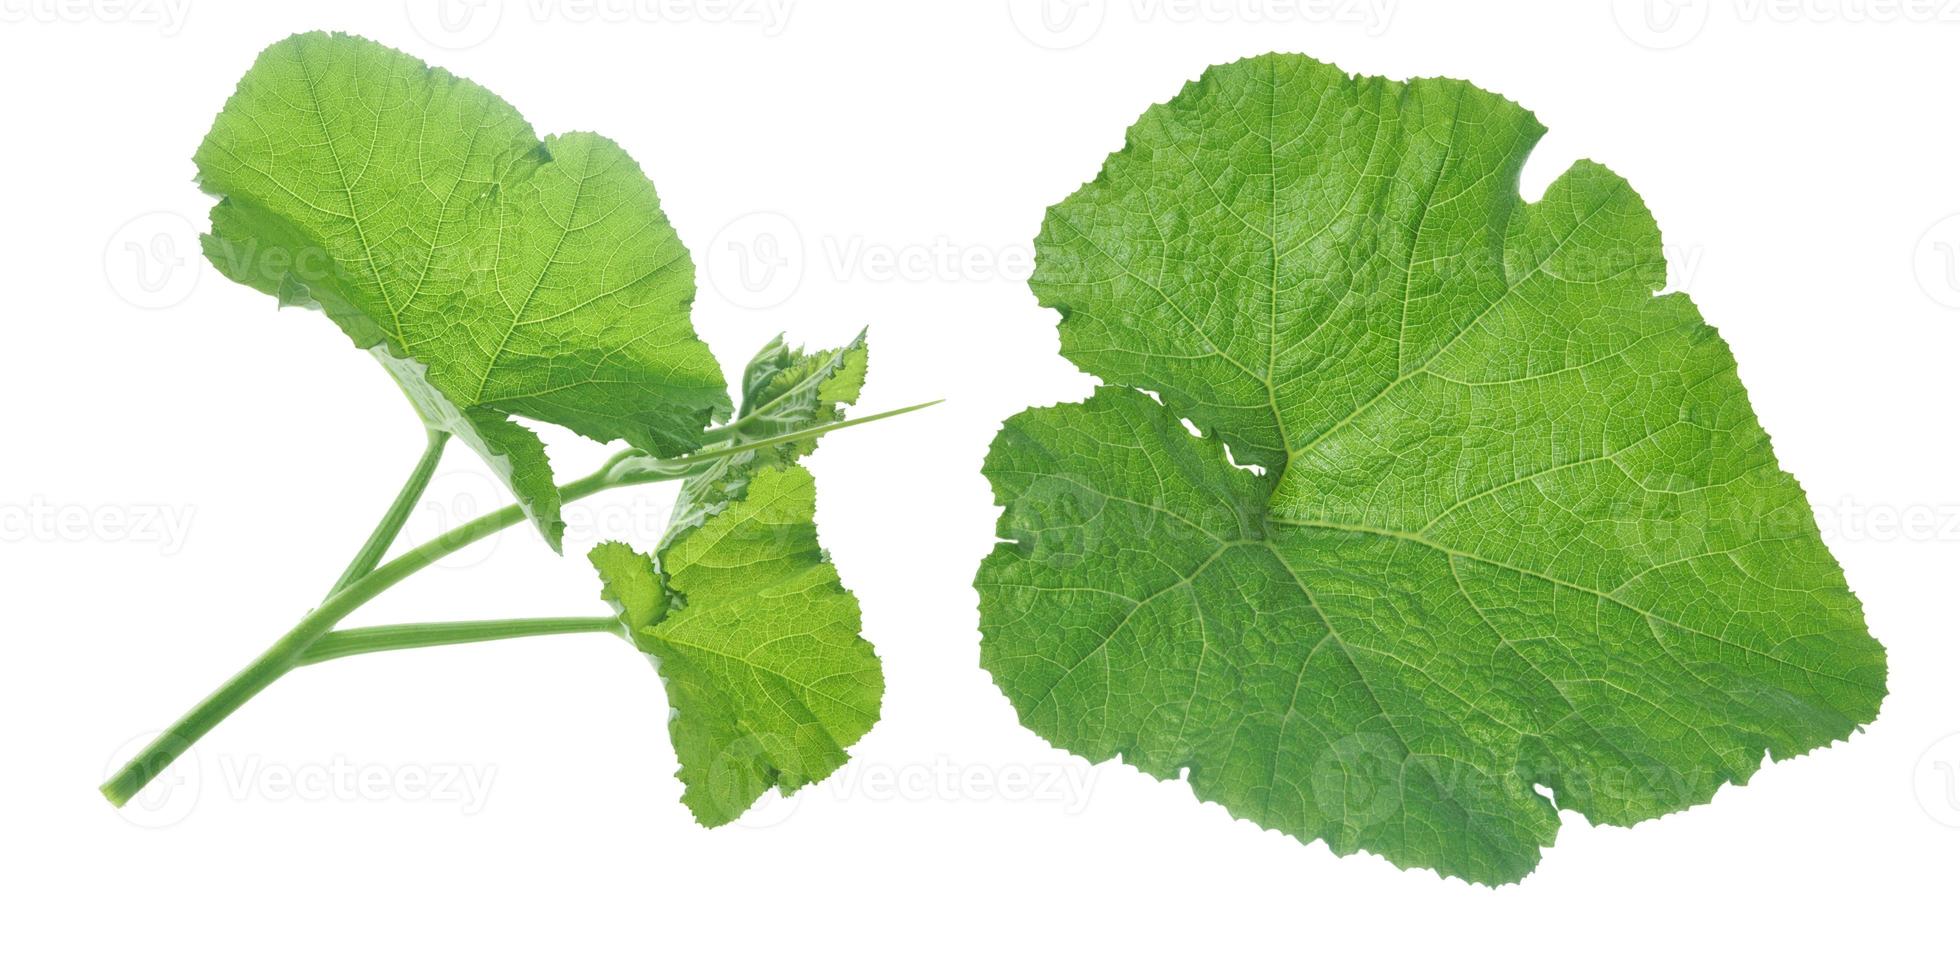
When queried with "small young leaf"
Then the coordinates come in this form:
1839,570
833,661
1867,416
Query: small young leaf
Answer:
1501,516
767,678
492,273
784,390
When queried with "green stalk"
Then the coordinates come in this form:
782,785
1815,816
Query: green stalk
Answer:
290,650
391,523
285,654
371,639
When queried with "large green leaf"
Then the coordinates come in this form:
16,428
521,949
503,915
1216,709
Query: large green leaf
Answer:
767,679
1502,519
493,273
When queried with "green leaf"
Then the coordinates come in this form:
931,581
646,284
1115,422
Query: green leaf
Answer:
767,678
494,274
631,585
742,611
784,390
1504,518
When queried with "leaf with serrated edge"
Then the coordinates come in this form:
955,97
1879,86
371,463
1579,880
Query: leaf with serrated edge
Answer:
493,273
785,390
755,511
767,678
1504,518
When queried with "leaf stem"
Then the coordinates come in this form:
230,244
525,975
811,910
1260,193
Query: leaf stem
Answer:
286,653
648,469
385,532
290,650
371,639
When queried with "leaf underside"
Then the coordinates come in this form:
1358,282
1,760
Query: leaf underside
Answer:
767,679
1502,517
493,273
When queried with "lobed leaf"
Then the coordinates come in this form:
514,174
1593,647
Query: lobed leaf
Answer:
742,612
767,678
493,273
1472,509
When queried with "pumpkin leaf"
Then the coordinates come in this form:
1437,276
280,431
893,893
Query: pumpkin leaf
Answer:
495,274
1471,510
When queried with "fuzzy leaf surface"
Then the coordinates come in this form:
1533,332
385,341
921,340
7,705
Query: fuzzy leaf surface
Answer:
768,680
493,273
1504,516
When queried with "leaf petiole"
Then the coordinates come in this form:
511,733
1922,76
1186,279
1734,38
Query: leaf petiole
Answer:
293,649
385,532
372,639
633,466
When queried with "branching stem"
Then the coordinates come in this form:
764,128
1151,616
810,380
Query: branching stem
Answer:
391,523
297,647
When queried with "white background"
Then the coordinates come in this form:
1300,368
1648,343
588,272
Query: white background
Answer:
183,470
